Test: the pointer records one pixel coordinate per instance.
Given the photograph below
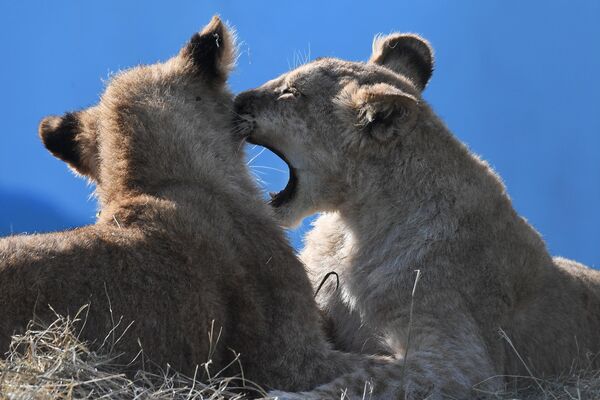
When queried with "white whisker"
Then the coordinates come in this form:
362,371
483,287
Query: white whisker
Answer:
254,158
270,168
259,172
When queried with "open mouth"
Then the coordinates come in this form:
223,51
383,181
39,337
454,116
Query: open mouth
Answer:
282,197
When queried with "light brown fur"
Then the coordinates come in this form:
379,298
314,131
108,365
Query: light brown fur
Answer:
400,194
183,239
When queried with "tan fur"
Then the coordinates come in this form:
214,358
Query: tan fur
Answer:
400,193
183,239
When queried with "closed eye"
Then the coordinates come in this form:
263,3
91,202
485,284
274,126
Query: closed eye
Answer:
288,93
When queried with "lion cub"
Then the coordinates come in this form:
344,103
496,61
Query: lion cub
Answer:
400,193
184,245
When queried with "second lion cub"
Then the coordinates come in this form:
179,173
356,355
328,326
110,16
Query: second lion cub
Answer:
400,193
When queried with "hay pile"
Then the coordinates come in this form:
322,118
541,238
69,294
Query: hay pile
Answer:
52,363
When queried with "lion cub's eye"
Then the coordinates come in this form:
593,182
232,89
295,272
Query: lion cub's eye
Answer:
289,92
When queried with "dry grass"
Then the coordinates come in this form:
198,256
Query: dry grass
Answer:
578,385
52,363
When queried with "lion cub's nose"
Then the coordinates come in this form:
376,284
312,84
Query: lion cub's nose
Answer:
243,103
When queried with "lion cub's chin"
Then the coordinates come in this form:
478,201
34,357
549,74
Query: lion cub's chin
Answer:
287,215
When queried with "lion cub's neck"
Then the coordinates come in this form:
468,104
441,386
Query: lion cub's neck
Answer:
181,205
430,200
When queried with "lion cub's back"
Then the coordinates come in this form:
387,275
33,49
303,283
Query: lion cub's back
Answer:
149,281
579,303
585,283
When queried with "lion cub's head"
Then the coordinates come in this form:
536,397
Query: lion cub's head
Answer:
157,124
330,118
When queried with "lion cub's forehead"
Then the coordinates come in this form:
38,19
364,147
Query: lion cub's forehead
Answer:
320,71
333,71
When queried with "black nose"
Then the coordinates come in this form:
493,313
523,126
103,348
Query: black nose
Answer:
243,103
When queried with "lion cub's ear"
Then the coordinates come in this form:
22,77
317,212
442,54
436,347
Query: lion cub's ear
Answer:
381,110
67,139
212,51
406,54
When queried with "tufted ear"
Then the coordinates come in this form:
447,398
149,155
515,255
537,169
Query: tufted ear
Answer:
68,139
406,54
212,51
381,111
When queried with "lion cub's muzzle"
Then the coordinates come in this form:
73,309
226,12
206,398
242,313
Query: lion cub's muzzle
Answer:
244,120
245,124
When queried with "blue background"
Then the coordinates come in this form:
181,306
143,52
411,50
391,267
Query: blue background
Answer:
517,81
